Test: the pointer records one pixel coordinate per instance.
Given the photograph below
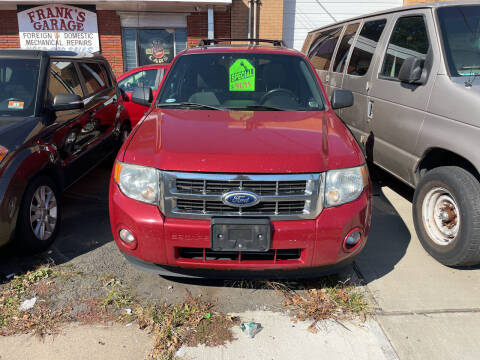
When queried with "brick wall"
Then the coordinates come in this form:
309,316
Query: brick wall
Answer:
271,20
239,27
110,33
9,29
222,24
197,26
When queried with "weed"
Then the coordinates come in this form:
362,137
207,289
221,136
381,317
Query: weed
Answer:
94,313
191,323
336,300
40,320
8,308
118,295
22,283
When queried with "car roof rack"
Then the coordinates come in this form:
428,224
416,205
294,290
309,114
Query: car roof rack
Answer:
207,42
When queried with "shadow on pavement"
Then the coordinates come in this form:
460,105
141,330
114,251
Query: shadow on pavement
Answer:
389,236
85,225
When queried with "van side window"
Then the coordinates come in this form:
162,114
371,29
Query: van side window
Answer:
322,50
63,79
344,47
94,77
409,38
365,47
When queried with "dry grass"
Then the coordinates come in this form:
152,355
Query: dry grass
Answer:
330,300
191,323
39,320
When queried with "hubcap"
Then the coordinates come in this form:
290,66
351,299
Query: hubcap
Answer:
441,216
43,212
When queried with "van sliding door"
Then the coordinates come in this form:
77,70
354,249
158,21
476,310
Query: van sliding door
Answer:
358,75
397,108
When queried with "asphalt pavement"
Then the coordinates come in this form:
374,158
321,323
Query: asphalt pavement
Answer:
421,308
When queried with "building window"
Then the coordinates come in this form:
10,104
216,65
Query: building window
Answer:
151,46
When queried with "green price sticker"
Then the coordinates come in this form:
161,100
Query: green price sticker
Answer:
242,76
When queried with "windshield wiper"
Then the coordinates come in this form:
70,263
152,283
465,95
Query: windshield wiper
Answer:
471,67
258,107
186,104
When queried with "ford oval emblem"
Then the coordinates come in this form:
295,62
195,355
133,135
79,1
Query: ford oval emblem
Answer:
240,199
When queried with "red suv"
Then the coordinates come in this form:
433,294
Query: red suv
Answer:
240,165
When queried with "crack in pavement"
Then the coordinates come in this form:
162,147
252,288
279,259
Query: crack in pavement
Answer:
426,312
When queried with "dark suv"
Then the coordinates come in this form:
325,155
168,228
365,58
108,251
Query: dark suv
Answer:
61,113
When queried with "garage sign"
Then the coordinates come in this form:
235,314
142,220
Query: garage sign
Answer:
58,27
242,76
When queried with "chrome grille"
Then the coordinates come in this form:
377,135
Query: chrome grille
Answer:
219,208
193,186
282,196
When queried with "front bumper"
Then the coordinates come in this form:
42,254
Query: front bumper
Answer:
161,242
279,274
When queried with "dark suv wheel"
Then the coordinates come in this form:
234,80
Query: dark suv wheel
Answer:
446,214
40,215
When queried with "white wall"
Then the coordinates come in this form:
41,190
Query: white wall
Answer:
301,16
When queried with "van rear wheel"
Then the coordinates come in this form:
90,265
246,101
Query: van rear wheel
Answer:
446,214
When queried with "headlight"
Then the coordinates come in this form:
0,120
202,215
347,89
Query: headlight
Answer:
345,185
138,182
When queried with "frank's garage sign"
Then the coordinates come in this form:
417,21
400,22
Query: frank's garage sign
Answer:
58,27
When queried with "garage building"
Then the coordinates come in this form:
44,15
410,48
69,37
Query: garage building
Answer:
133,33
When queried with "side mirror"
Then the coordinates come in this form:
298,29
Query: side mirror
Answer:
412,71
124,95
142,96
341,99
67,102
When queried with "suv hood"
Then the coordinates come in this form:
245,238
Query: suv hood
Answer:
242,141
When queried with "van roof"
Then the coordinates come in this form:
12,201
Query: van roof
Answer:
398,9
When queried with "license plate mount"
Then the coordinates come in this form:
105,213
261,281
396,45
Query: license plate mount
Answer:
228,234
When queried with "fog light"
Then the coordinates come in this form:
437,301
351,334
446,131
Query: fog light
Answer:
126,236
352,240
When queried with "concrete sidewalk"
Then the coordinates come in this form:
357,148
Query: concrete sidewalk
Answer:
279,339
80,343
428,311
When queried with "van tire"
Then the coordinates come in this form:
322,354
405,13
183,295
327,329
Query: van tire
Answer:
449,190
27,240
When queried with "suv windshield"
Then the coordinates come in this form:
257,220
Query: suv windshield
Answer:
241,81
18,86
460,27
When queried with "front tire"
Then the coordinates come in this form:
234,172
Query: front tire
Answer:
446,214
39,216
